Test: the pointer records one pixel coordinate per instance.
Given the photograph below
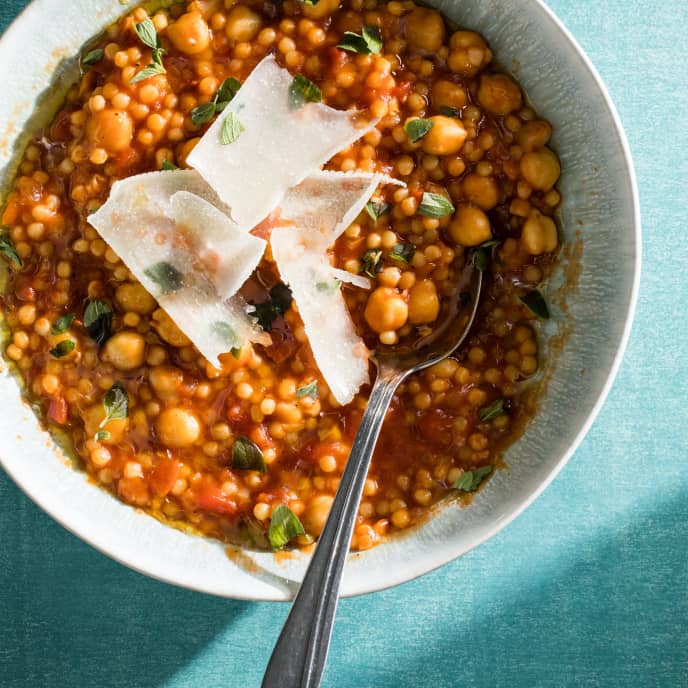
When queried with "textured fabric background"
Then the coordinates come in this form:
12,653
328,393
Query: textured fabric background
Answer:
588,588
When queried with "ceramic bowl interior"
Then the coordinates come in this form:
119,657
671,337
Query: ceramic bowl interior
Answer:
600,211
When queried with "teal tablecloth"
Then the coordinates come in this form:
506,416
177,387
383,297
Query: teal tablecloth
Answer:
588,588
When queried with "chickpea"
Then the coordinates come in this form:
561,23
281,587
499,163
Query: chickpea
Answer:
321,9
184,150
424,304
533,135
178,427
499,94
468,53
386,310
482,191
317,511
166,380
540,169
470,226
134,298
446,93
539,234
190,33
168,330
125,350
110,129
445,138
242,24
425,30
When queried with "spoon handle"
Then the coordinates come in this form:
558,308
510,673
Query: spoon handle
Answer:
299,657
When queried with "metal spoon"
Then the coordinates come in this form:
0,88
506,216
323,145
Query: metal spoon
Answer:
299,657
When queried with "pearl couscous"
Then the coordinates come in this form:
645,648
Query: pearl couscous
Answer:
168,432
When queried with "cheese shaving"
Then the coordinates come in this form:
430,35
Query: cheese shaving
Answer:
340,354
139,223
228,255
279,147
328,202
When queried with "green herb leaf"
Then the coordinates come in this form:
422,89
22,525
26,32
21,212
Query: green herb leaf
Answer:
482,257
145,30
228,89
168,165
536,303
231,128
103,435
435,205
157,57
63,348
416,129
227,333
203,113
265,313
448,111
311,3
281,297
278,304
115,403
370,262
402,253
247,456
98,320
369,42
92,57
166,276
377,210
8,251
302,90
151,70
309,390
469,481
284,526
492,411
63,323
483,254
330,287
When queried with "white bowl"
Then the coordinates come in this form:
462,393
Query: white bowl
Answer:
600,212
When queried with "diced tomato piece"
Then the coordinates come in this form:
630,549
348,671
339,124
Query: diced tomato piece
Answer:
60,127
436,426
12,210
339,450
24,291
284,344
164,476
211,498
337,59
57,410
238,414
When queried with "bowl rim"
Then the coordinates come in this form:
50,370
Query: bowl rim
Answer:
428,563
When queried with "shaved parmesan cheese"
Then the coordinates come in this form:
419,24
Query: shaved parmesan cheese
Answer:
328,202
313,215
279,147
228,254
340,354
357,280
139,223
